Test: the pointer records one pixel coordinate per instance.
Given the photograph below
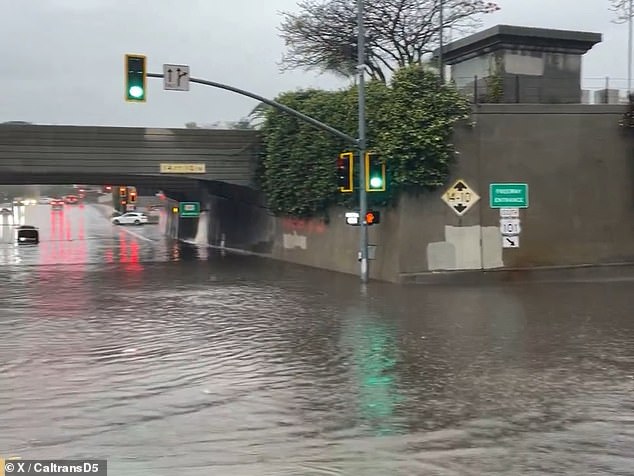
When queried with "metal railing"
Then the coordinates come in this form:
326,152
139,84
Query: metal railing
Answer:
510,88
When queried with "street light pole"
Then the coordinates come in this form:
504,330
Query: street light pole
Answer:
630,14
441,65
361,143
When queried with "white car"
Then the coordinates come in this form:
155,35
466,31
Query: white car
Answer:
130,218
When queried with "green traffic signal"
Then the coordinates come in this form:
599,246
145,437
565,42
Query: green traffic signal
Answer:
136,74
376,182
136,92
374,173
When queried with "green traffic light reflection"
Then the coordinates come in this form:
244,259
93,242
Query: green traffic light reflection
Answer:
374,351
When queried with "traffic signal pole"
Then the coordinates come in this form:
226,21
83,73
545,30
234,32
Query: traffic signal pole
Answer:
361,143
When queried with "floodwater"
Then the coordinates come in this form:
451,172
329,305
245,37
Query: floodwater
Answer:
173,359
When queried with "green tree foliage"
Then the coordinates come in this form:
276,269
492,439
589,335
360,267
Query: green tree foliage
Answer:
409,124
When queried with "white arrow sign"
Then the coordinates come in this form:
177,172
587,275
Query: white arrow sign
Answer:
176,77
510,242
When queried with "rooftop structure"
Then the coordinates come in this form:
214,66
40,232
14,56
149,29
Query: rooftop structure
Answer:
520,64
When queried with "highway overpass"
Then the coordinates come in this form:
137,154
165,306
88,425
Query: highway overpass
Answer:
156,158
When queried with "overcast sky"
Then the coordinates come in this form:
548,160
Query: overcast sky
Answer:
62,60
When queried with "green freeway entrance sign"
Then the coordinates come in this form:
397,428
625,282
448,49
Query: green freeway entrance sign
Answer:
508,195
189,209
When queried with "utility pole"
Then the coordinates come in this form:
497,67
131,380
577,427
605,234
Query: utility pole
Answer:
630,14
441,65
361,143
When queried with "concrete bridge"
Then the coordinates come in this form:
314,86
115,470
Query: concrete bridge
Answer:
174,159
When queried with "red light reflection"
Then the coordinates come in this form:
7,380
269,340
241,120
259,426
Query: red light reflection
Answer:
129,253
62,291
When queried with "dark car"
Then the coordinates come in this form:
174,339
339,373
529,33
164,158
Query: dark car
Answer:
28,234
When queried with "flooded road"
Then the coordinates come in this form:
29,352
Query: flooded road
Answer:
169,359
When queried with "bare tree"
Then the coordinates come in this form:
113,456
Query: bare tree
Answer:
622,8
323,34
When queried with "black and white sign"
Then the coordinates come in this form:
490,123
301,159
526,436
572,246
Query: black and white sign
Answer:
176,77
509,212
510,226
352,218
511,241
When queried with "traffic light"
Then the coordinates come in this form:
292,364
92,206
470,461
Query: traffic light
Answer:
375,180
123,191
132,196
345,169
372,217
135,78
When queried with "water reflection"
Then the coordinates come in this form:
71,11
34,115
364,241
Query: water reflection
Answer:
168,358
129,253
374,353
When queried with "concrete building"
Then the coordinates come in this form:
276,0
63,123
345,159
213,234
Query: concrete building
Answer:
511,64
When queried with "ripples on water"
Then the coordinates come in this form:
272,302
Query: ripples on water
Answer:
244,367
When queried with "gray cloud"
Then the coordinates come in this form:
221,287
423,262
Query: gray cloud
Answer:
62,60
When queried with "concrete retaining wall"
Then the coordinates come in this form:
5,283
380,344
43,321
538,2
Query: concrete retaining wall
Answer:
576,160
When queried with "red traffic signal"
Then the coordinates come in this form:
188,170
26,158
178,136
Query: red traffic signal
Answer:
372,217
132,196
123,191
345,169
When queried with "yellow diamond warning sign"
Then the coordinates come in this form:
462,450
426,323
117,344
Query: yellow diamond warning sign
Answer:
460,197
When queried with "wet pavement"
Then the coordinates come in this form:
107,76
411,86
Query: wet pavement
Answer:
168,358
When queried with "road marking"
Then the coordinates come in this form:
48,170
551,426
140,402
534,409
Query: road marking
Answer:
137,235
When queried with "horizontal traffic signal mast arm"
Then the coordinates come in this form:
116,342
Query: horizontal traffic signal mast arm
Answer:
270,102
